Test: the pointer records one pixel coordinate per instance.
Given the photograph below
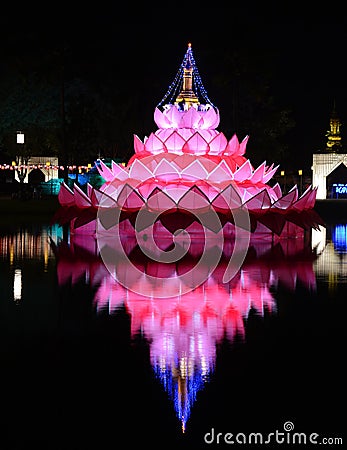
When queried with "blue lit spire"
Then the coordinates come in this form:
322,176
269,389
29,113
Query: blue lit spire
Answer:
182,379
187,89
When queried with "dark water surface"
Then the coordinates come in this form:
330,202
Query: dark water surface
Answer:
89,364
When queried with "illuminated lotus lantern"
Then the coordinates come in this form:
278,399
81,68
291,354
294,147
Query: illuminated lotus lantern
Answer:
183,331
188,175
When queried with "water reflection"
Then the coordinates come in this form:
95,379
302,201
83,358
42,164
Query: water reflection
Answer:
331,246
28,243
23,245
184,335
339,238
17,285
196,360
184,331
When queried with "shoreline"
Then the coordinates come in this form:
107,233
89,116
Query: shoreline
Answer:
27,211
330,210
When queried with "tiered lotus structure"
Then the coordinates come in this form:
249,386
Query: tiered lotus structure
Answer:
185,174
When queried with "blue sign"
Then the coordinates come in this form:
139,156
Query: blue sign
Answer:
339,188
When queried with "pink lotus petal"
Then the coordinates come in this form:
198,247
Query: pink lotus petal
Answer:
175,191
165,168
160,201
269,173
211,162
161,120
154,145
190,119
138,144
99,198
240,160
186,133
304,200
118,169
242,148
261,201
286,201
277,190
246,195
229,199
218,144
208,135
244,172
232,147
183,161
81,199
104,171
195,170
196,145
140,171
258,174
312,198
210,119
210,190
194,199
164,134
128,198
89,190
220,173
147,187
66,196
174,116
174,143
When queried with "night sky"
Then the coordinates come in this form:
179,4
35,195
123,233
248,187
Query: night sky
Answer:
302,48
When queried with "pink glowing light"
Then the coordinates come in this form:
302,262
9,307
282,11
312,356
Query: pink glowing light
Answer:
187,164
186,176
183,331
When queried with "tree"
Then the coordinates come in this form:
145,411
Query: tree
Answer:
244,88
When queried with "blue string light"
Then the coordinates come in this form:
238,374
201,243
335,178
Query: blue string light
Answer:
195,383
177,84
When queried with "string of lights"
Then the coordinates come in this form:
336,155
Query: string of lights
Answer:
176,86
44,166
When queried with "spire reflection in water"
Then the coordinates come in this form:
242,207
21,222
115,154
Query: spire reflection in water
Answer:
183,331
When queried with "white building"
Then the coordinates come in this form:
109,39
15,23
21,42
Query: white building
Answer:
44,166
329,168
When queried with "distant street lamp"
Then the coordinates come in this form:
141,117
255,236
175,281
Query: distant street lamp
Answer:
48,165
21,170
300,175
20,137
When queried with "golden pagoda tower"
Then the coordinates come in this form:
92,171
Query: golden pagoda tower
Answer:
334,138
187,97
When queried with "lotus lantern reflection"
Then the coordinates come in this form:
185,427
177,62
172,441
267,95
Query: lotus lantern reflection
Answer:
184,331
